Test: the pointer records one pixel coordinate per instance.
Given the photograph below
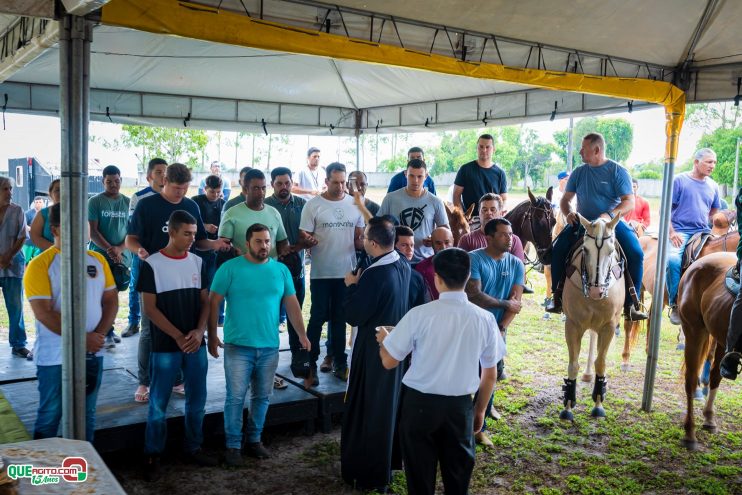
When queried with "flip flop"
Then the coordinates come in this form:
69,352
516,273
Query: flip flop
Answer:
139,397
279,383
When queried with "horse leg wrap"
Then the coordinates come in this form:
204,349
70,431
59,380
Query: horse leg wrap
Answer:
599,388
570,392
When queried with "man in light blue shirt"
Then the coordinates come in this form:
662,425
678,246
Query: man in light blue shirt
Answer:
603,189
695,199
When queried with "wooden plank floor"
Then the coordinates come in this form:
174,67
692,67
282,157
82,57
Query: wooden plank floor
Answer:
120,421
330,391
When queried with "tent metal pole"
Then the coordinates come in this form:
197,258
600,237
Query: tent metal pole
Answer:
659,287
736,168
74,62
570,144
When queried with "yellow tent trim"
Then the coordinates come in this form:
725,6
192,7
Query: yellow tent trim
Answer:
177,17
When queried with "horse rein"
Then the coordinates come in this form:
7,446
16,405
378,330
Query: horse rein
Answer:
549,214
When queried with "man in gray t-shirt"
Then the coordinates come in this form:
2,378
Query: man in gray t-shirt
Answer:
416,208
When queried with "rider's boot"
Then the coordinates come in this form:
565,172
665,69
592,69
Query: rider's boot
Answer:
555,305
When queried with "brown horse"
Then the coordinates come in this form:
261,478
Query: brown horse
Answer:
593,299
532,221
704,305
727,242
459,221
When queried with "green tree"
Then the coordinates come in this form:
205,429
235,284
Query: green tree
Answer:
394,164
710,116
456,149
618,133
724,143
183,145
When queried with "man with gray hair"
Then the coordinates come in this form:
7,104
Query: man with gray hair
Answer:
695,198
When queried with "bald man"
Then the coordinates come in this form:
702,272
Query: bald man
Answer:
441,238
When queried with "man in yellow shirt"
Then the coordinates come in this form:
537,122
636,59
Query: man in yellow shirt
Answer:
42,283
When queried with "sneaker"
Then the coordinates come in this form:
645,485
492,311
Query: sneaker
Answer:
257,450
116,338
494,413
527,290
555,305
502,375
200,458
233,458
131,331
547,301
341,373
731,365
674,315
483,439
109,342
151,468
22,352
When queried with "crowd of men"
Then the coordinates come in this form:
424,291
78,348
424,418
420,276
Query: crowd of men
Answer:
390,271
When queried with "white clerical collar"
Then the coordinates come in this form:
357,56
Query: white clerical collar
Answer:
387,259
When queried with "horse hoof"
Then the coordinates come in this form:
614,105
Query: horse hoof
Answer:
597,412
698,394
680,347
587,378
710,428
567,415
625,367
691,445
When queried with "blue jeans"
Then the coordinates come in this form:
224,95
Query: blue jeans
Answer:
13,295
328,296
164,370
49,413
625,236
134,307
245,366
674,261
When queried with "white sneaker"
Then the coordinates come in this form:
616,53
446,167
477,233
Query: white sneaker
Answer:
109,342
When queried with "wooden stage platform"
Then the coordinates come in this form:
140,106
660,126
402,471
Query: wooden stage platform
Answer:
120,421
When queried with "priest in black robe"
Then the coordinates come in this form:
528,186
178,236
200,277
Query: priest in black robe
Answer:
377,296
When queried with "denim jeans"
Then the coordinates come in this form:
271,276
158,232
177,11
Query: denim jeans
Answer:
49,413
134,306
243,367
674,261
164,369
13,295
625,236
327,306
294,344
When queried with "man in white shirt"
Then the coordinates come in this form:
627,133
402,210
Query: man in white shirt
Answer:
310,180
333,225
437,422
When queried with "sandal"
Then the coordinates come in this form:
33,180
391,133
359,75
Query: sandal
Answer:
278,383
141,396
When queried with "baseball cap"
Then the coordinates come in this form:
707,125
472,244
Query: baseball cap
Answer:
562,175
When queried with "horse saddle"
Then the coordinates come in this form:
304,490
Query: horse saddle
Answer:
693,248
731,281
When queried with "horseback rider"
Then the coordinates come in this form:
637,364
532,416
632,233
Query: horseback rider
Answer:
603,190
695,199
730,364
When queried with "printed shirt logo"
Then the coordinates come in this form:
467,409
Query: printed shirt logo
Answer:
92,271
412,217
339,213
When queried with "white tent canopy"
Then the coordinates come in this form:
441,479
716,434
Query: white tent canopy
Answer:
146,78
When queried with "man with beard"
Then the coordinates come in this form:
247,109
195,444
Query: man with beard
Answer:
479,177
376,296
490,207
254,286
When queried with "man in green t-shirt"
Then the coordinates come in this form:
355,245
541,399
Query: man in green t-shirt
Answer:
239,218
254,286
108,214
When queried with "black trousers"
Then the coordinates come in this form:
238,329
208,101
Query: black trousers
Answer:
433,429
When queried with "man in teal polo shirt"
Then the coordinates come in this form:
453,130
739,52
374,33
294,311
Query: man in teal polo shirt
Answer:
254,286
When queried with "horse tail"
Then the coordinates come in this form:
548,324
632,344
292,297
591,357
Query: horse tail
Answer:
636,329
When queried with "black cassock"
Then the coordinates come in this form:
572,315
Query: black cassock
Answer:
367,441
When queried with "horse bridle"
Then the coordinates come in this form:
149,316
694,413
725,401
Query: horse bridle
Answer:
548,213
586,285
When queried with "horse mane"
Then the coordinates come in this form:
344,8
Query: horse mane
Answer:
456,213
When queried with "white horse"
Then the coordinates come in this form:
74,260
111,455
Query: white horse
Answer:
593,300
